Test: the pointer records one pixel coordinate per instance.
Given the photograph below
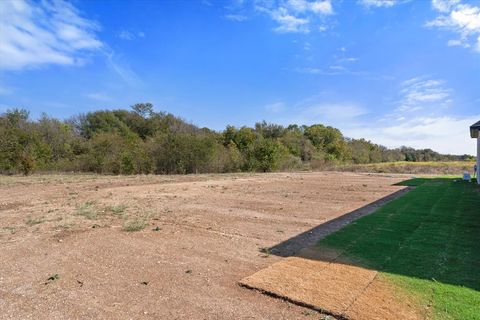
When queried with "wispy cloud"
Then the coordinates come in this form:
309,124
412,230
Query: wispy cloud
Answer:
333,70
121,68
333,113
275,107
5,90
348,59
47,32
379,3
422,93
98,96
128,35
236,17
53,32
318,7
340,64
316,110
296,16
460,19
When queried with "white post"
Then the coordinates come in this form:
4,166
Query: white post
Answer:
478,159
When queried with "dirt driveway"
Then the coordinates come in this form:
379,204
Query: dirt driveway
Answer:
64,253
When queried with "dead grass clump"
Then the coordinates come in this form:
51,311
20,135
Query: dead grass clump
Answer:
87,210
118,209
135,225
31,221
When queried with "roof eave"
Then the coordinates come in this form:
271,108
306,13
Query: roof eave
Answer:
474,129
474,133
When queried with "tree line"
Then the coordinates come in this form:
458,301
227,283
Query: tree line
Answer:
142,140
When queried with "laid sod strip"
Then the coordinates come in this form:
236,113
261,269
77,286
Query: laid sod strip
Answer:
427,242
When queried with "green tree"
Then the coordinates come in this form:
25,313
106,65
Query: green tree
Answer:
327,139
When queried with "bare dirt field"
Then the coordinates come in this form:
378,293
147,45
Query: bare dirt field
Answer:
65,251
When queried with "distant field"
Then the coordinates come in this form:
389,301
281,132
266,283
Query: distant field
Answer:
447,167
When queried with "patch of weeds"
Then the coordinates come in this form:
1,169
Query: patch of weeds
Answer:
65,226
31,222
87,210
134,225
52,278
266,251
11,229
119,209
56,219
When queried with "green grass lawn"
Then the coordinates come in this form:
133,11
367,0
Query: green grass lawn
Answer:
427,242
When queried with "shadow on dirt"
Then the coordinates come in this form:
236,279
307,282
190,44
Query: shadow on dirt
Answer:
309,238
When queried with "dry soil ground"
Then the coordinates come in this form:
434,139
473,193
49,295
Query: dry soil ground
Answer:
203,234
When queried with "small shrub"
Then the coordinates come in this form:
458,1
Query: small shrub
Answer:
87,210
31,222
27,164
134,225
118,209
266,251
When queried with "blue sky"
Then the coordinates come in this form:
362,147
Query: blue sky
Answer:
393,71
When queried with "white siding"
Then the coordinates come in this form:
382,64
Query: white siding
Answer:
478,159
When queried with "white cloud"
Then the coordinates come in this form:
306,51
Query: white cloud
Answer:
98,96
454,43
126,35
422,93
288,22
348,59
444,5
322,7
6,90
122,69
333,70
275,107
445,134
49,32
379,3
460,19
319,7
296,16
314,110
236,17
337,113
